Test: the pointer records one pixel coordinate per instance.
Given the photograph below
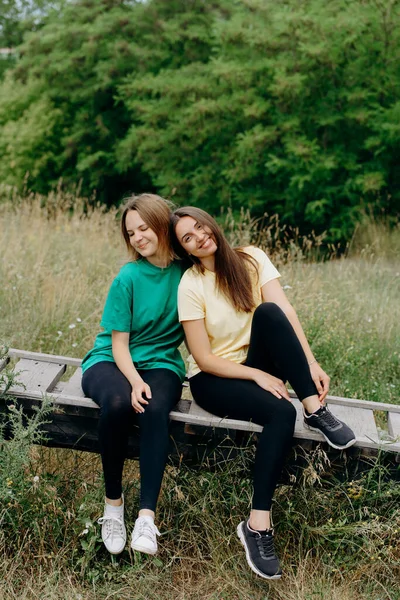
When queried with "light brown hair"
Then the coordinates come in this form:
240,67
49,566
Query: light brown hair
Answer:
232,265
156,213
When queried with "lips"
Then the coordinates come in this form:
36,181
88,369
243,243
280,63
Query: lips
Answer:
205,243
143,246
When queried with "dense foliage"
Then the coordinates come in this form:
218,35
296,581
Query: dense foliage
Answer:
289,107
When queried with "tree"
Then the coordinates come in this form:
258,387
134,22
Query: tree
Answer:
60,114
19,16
296,113
289,107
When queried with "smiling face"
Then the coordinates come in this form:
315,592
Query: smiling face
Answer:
195,238
141,237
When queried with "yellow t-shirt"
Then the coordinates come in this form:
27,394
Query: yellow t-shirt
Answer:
228,330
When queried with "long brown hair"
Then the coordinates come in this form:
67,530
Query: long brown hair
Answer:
156,213
232,274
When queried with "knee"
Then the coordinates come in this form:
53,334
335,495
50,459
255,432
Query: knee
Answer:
154,413
269,311
118,408
286,413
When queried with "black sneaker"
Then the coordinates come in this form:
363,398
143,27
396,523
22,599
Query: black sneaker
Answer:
337,434
260,552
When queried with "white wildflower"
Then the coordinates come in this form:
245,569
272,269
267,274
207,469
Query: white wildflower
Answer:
59,332
72,326
79,320
36,479
74,345
287,287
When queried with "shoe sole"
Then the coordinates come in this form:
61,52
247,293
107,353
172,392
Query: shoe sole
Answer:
114,553
350,443
252,567
139,548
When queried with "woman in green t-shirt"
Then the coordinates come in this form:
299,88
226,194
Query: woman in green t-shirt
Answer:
134,372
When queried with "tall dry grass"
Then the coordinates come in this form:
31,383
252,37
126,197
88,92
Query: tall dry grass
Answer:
337,539
58,262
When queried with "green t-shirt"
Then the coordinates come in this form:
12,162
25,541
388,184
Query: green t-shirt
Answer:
143,302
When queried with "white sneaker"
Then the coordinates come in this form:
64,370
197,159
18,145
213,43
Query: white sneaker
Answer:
144,535
113,530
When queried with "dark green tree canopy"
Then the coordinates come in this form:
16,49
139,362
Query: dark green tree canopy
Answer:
287,107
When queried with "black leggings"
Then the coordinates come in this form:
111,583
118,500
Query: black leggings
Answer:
275,349
109,388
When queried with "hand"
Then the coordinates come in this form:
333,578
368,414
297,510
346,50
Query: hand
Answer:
139,387
271,384
321,380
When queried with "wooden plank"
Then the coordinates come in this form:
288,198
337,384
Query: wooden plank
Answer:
79,415
353,402
361,421
50,358
339,400
41,372
198,416
394,425
37,376
58,398
76,362
73,386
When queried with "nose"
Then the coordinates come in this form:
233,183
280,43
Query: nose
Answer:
200,234
138,235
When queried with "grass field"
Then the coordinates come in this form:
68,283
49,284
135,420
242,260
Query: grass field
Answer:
337,540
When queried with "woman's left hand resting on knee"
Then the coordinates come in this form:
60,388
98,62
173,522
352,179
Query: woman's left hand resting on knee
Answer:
273,292
123,360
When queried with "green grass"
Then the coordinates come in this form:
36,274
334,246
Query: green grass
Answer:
338,538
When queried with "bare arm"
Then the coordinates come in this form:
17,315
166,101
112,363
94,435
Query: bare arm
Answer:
199,345
273,292
123,360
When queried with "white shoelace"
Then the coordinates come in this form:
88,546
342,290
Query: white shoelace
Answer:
146,528
114,525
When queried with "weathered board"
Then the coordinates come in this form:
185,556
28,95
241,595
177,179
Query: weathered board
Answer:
394,426
37,375
75,417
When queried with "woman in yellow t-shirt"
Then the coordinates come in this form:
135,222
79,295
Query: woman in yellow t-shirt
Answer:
246,341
